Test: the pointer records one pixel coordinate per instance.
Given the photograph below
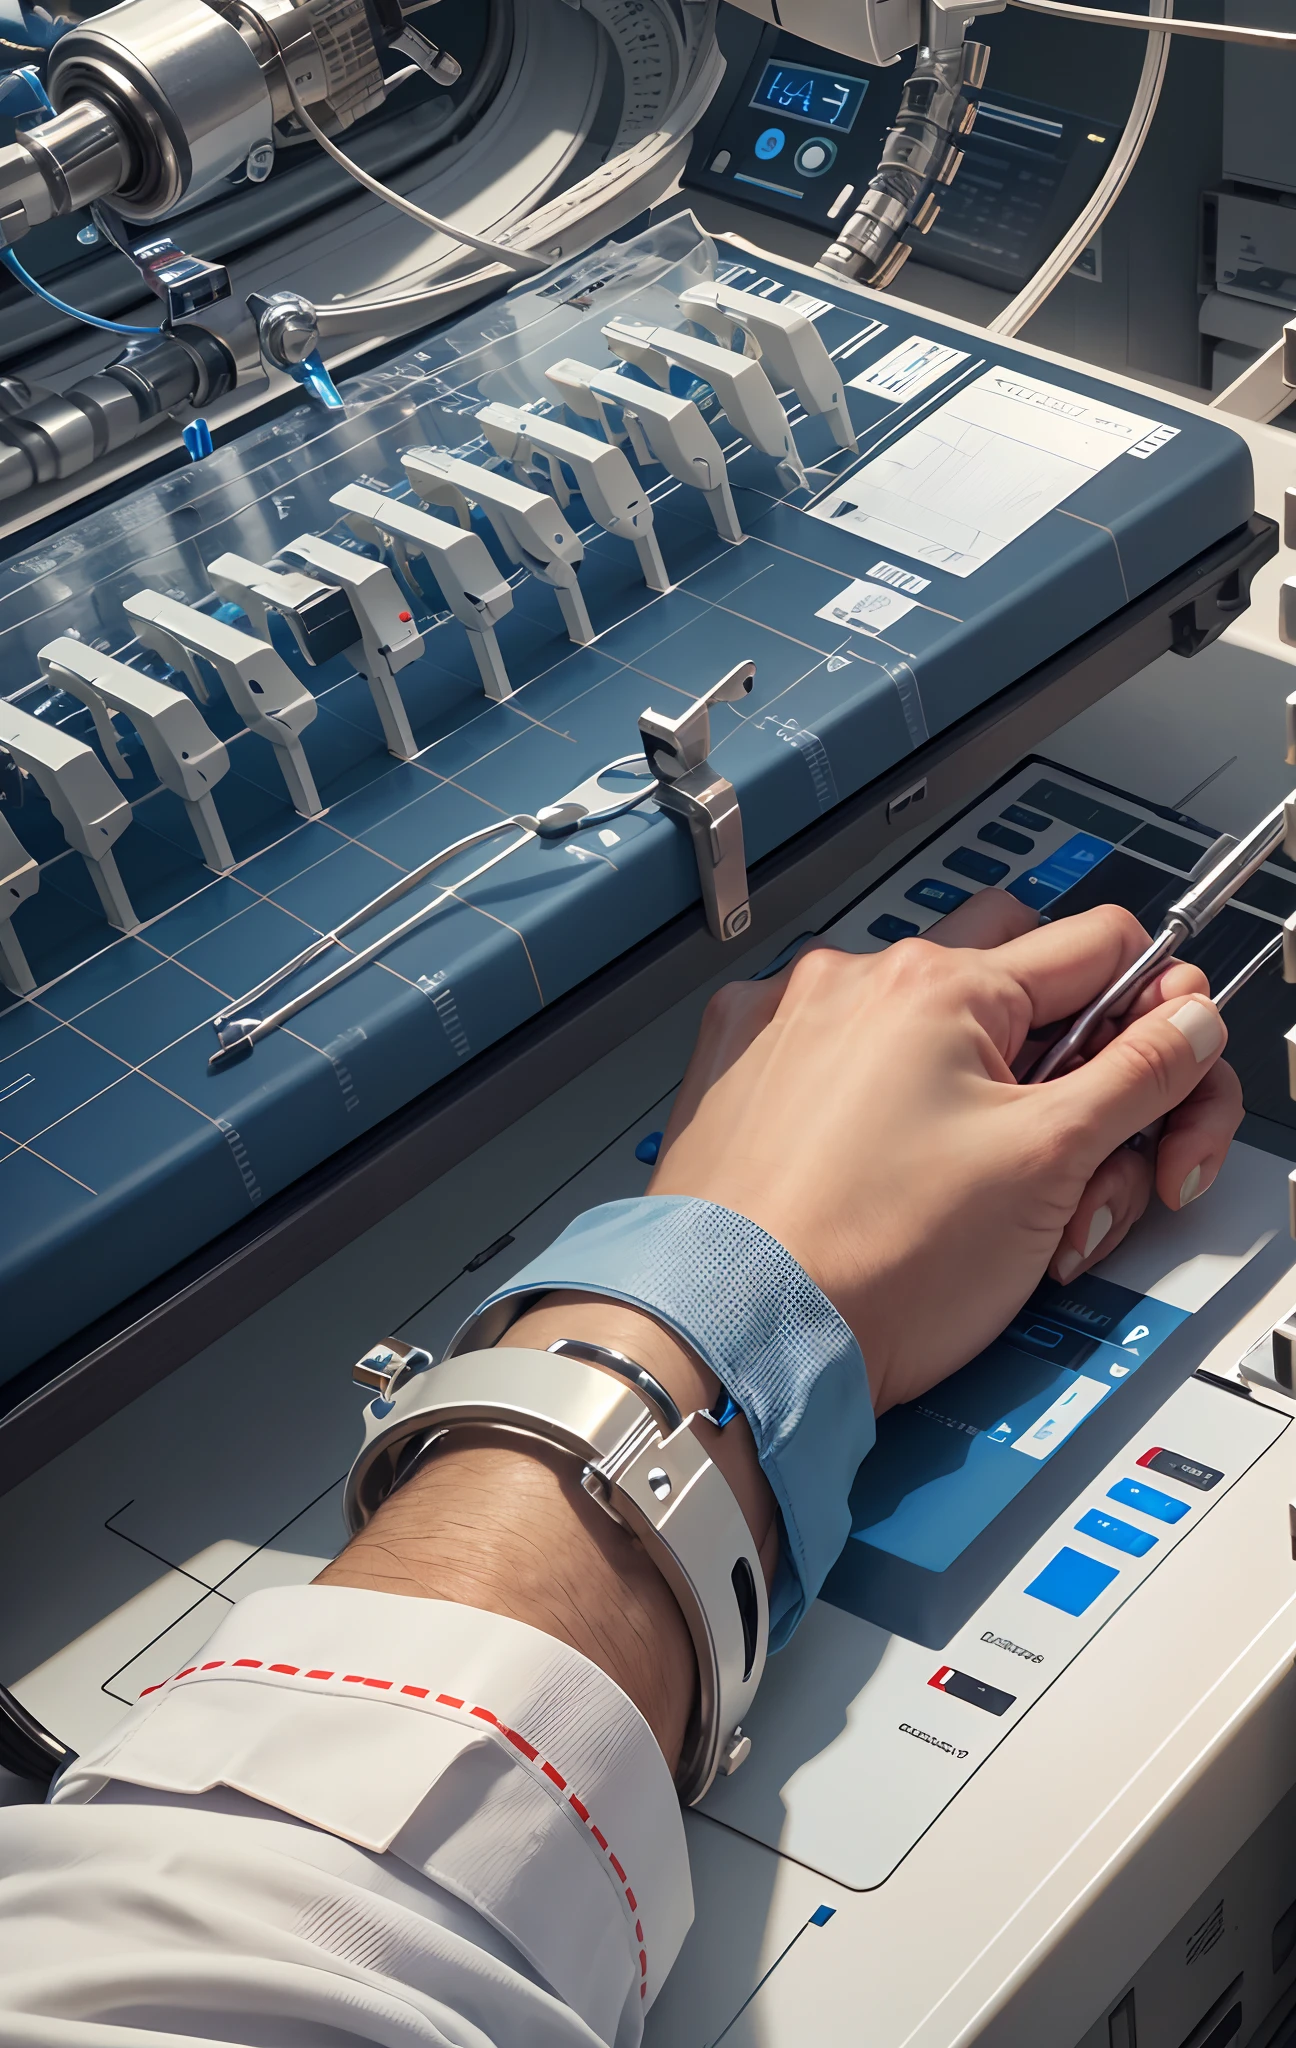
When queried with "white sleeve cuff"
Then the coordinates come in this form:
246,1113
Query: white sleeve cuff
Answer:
478,1750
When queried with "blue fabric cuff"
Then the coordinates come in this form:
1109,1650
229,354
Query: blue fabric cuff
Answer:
773,1340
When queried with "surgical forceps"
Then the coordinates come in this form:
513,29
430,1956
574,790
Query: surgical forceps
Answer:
1211,887
239,1035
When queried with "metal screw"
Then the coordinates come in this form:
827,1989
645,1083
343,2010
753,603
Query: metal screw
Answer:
260,162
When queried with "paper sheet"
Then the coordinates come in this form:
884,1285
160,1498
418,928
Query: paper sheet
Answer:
987,464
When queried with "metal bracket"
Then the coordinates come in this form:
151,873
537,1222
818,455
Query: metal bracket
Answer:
687,784
356,610
786,338
475,590
258,682
745,394
528,525
19,881
612,492
186,755
659,427
82,796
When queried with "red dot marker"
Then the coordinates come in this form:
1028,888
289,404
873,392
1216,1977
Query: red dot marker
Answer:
404,617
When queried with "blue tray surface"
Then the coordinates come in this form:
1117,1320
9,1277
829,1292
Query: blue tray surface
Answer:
119,1153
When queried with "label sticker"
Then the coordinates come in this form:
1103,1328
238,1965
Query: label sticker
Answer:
908,369
865,607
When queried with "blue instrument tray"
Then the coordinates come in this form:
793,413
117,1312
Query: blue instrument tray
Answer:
120,1155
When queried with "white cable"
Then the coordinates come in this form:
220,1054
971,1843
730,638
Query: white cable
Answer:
1209,31
1055,266
516,260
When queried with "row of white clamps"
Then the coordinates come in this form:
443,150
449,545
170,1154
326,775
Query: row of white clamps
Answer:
529,526
533,443
83,797
350,606
660,429
185,754
262,688
784,337
743,391
460,563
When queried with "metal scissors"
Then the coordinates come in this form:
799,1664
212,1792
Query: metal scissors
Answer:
1212,885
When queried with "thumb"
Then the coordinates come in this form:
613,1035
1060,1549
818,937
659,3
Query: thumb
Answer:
1145,1072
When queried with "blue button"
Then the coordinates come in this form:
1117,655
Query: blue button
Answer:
647,1149
1034,891
1072,1581
1118,1535
1131,1493
769,144
942,896
978,867
892,928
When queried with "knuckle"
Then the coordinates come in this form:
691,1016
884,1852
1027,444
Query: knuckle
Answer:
726,1006
1147,1059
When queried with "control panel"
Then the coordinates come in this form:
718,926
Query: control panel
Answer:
799,135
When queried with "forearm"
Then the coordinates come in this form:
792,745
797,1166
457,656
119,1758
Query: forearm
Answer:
504,1525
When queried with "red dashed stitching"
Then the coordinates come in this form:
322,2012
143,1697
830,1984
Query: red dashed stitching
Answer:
443,1699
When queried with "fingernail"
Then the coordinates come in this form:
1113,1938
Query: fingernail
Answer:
1203,1027
1193,1186
1101,1224
1067,1263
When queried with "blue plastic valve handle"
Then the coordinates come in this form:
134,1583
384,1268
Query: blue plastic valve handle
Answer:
197,439
314,377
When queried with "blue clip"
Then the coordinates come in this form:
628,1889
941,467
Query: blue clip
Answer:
647,1149
22,96
197,439
314,377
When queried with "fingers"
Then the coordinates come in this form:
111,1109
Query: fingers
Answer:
1196,1137
1062,967
990,918
1112,1203
732,1021
1145,1073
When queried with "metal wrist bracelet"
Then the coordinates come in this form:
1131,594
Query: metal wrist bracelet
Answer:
647,1466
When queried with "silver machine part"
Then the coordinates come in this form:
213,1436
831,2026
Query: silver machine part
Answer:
665,1488
1211,889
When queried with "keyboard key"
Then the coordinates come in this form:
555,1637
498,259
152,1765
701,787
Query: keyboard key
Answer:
995,834
1071,1581
1118,1535
1173,1465
1149,1500
1034,821
1035,891
978,867
889,929
941,896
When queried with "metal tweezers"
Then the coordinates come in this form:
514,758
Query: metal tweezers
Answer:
1213,884
239,1034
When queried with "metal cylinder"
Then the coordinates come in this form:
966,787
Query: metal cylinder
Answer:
182,87
82,155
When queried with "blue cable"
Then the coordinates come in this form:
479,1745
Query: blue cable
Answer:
23,276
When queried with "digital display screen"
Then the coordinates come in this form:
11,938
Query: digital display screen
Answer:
948,1463
822,99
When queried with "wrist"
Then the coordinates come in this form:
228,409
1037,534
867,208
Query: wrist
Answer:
617,1326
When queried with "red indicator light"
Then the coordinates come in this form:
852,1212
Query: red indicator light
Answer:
1148,1456
404,617
940,1678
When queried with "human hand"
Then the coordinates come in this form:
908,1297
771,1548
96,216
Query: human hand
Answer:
863,1110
